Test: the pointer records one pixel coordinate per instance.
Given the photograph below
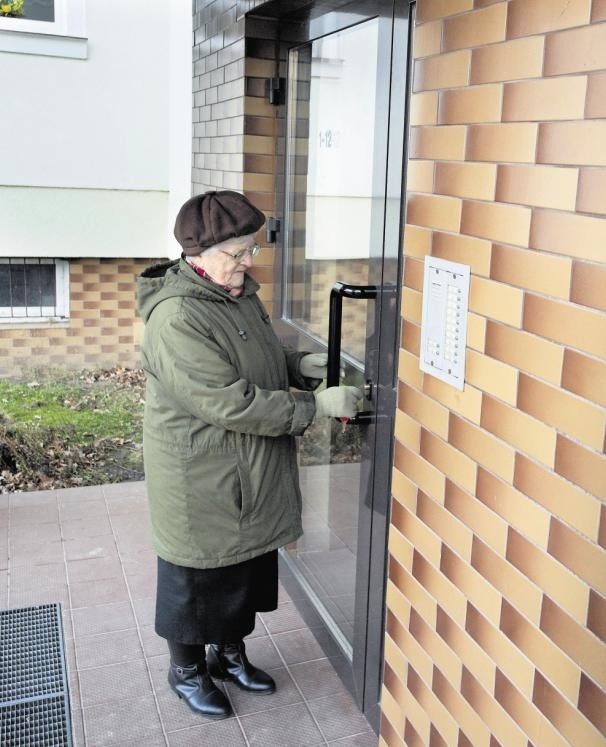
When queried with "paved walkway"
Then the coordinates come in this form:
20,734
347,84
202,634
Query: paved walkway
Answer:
89,548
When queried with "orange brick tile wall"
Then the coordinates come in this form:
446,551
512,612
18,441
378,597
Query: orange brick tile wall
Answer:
496,599
103,329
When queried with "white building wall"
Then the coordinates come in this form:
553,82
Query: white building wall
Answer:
92,137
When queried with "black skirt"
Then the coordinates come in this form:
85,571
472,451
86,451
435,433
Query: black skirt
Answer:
214,605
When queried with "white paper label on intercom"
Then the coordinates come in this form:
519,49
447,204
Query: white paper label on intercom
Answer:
444,322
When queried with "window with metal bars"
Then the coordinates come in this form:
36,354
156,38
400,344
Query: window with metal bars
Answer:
33,289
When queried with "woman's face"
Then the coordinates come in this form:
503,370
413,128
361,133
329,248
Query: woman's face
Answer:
227,262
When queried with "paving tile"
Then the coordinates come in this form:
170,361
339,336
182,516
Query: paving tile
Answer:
93,569
113,682
127,721
298,645
38,575
34,498
317,679
103,546
3,588
288,726
108,648
143,585
31,597
89,493
31,515
153,645
365,739
103,618
262,653
145,610
286,617
70,510
21,553
286,694
226,733
338,716
77,727
25,533
120,489
103,591
81,529
119,505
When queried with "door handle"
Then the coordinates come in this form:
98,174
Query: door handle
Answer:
338,292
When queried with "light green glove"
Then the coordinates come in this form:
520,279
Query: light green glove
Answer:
338,402
314,365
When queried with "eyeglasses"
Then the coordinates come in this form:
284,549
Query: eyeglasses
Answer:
250,251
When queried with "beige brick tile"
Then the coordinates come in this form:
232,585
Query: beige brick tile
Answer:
475,104
403,490
547,99
596,615
575,143
417,533
480,27
408,369
532,270
483,447
425,475
392,712
513,142
566,589
412,302
598,11
435,647
417,241
566,412
474,586
411,337
467,403
444,729
506,656
576,51
419,176
507,223
560,670
589,285
560,497
465,249
512,583
525,433
445,143
526,352
503,728
592,703
400,548
429,10
442,71
580,236
407,431
524,713
512,60
417,596
470,180
517,509
452,531
434,211
471,724
545,15
427,39
585,376
579,554
424,108
455,465
474,658
496,301
413,274
448,597
474,514
541,186
562,714
570,325
581,466
592,189
476,332
596,96
493,376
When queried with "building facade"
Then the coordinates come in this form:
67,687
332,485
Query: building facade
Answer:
94,163
454,543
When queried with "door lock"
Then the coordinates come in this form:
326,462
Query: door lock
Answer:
367,389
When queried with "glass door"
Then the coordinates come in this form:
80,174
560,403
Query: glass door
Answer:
344,137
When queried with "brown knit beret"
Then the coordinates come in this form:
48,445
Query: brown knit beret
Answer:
208,219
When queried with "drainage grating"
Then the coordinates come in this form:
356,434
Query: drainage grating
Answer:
34,698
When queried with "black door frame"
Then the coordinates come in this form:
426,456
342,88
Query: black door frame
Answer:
298,22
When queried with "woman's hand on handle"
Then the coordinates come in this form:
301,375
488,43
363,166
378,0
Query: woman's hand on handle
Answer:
338,402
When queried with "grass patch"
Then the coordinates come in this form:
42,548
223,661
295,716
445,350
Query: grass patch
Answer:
63,429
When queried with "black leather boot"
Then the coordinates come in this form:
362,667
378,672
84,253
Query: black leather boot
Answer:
229,662
199,691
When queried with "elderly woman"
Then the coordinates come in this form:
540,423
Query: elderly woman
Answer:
219,446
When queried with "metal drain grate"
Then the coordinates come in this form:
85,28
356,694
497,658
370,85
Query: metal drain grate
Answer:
34,698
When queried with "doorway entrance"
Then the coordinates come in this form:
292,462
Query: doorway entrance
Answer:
340,209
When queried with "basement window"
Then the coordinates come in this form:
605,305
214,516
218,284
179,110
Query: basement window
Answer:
55,28
33,290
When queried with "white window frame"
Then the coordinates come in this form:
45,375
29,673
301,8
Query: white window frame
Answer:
63,37
35,315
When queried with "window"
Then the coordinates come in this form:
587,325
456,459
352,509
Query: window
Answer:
47,27
33,290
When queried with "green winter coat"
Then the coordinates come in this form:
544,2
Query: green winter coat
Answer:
220,422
